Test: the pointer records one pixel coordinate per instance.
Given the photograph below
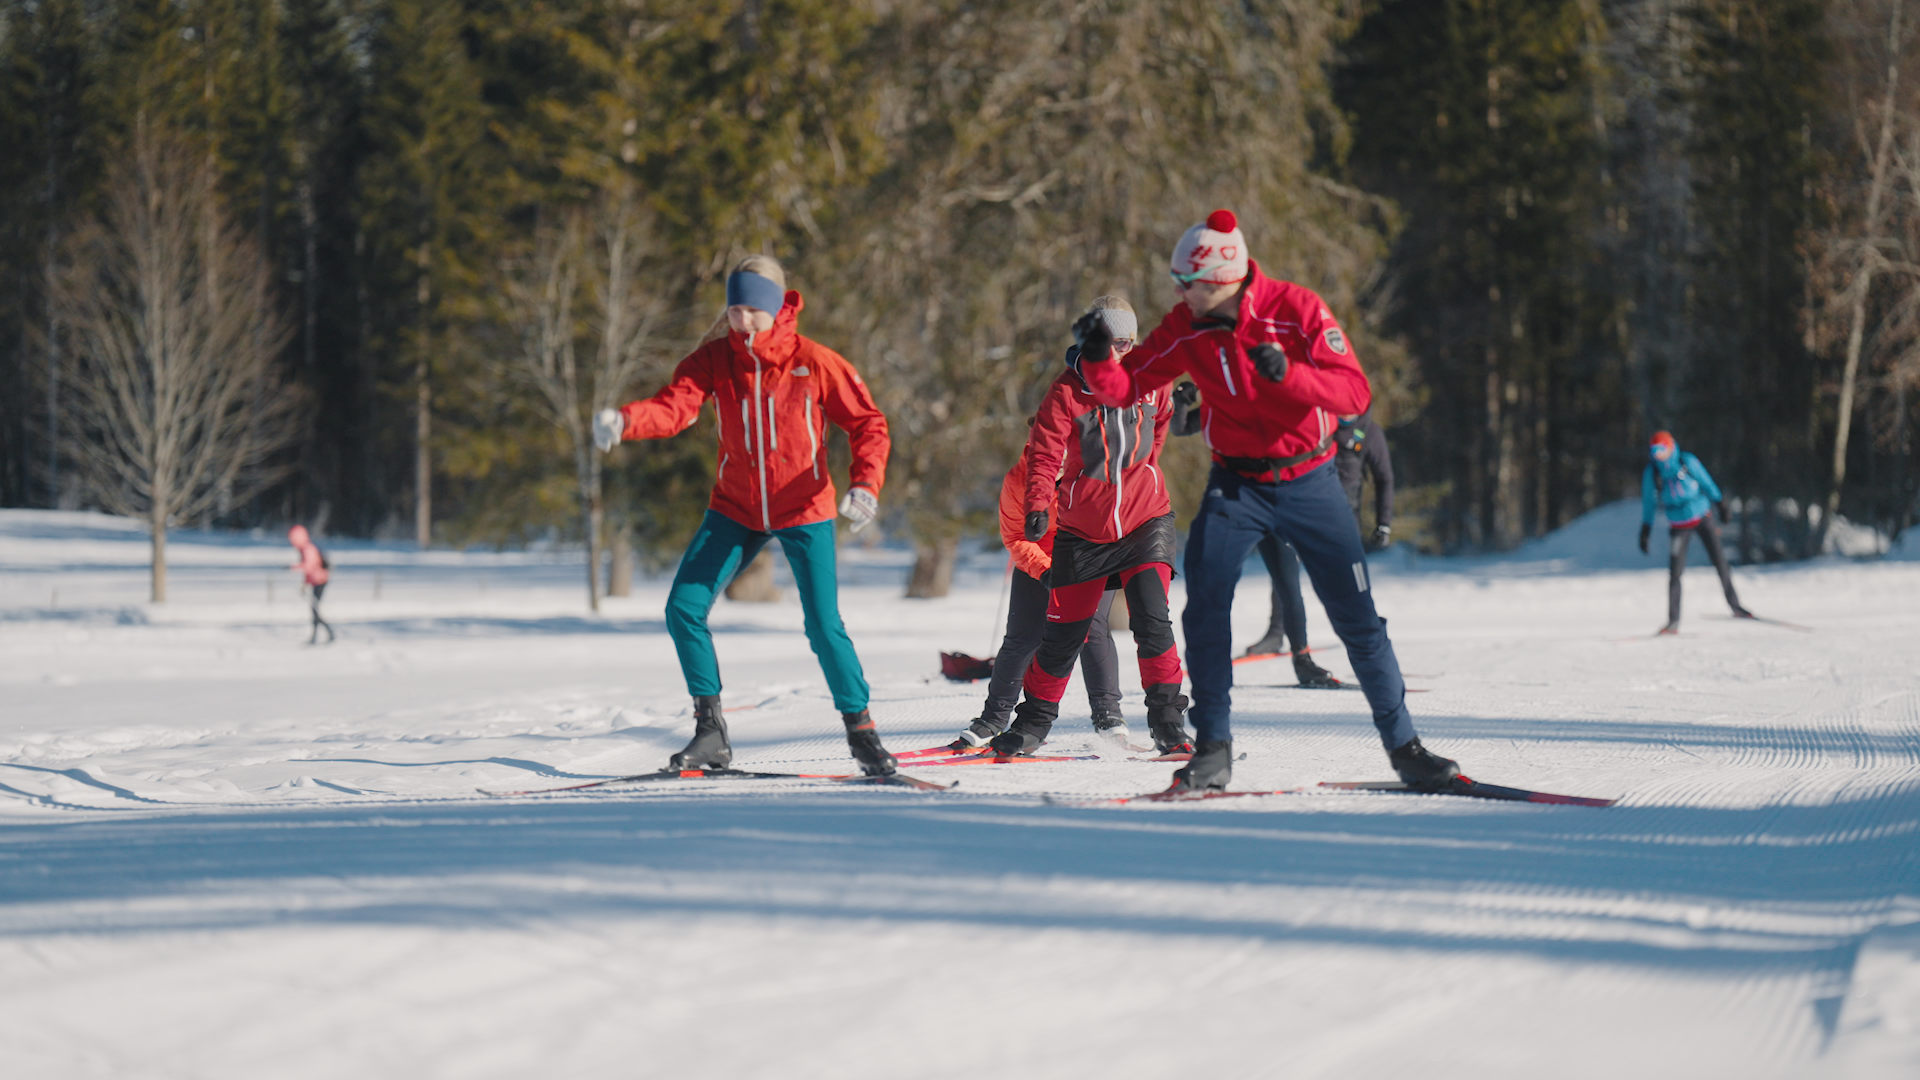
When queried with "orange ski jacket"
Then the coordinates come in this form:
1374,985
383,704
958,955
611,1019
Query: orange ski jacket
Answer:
1032,558
1244,416
773,395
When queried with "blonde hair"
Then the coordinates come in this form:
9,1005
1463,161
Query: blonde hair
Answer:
767,267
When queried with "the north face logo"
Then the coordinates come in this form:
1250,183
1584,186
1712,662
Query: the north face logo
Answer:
1336,340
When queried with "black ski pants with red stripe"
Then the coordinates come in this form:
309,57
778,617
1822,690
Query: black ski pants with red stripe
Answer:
1070,611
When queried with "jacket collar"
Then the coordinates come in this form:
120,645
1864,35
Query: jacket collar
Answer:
775,346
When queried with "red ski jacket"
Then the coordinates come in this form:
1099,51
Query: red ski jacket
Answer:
1242,414
772,396
1031,557
1107,460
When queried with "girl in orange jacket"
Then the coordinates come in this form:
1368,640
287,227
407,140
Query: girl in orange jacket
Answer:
1027,622
773,393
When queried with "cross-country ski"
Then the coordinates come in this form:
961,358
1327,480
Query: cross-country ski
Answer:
892,779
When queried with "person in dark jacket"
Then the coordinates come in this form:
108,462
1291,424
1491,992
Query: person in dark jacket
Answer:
1363,450
1675,482
1287,625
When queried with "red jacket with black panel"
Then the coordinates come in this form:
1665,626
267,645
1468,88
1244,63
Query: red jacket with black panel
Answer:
1107,459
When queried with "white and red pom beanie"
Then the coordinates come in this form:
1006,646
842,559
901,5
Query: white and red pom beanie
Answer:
1212,251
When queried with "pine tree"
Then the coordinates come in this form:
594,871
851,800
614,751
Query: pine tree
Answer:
1479,118
1747,394
46,57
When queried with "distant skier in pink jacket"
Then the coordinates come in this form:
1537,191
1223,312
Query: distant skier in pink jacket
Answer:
313,565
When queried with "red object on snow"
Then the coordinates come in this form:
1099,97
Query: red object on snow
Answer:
959,667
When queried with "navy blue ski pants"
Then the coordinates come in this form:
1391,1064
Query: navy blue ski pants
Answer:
1311,513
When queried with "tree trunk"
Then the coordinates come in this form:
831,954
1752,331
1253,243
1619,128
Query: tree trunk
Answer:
159,526
754,583
1863,280
620,574
933,568
422,462
589,471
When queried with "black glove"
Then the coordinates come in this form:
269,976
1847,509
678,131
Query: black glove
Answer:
1046,579
1382,538
1090,332
1645,531
1186,413
1036,525
1720,511
1269,360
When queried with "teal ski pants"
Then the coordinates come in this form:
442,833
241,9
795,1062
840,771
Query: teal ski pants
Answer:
719,550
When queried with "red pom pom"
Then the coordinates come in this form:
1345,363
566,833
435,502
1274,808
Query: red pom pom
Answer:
1222,221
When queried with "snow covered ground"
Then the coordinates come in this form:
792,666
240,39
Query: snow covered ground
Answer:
224,854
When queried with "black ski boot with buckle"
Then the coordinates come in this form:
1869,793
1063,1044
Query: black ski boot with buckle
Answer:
709,748
1421,768
1210,770
864,742
1111,727
1312,674
1167,719
1032,722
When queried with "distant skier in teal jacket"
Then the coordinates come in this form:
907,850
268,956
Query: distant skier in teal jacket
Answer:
1676,483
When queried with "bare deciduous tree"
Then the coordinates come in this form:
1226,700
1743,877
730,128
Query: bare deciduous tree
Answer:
176,406
586,322
1868,244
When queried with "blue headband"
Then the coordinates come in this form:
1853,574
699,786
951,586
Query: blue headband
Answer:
749,288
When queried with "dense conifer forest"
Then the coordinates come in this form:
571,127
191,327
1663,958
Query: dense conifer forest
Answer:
1551,227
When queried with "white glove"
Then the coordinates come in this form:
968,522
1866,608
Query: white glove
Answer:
608,425
859,506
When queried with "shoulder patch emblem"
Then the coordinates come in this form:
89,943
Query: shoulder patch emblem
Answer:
1336,340
802,370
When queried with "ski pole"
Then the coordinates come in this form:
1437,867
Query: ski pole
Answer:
1006,584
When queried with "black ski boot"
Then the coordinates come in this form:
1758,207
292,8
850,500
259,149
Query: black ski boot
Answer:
1312,674
1167,719
1032,720
1422,769
864,741
1210,770
709,748
1273,644
1112,728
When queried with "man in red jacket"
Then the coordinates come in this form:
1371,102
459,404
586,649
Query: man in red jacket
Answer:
773,393
1275,372
1097,470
